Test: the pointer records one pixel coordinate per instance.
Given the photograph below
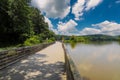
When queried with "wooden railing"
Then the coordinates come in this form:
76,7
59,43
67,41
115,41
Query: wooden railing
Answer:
9,57
71,70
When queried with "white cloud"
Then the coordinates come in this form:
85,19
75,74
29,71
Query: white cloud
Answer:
84,5
117,2
106,27
53,8
50,25
49,22
89,31
78,9
91,4
67,28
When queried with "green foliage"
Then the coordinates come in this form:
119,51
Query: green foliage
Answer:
90,38
37,39
31,41
14,20
67,41
73,44
49,41
73,38
19,22
52,38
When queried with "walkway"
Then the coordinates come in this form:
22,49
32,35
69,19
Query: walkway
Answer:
47,64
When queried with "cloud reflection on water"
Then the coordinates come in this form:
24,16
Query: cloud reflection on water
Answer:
97,62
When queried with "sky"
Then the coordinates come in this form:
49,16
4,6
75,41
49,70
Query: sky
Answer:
81,17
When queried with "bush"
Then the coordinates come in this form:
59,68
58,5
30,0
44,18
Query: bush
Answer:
31,41
50,40
53,39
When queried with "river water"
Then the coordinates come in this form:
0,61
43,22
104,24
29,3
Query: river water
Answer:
96,61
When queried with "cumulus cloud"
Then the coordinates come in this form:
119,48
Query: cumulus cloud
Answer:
89,31
84,5
49,22
78,9
67,28
117,2
91,4
50,25
53,8
106,27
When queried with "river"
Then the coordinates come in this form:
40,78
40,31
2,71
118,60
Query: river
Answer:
96,61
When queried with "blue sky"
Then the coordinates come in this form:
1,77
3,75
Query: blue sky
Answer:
81,17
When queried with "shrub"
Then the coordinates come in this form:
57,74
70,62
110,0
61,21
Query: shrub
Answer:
31,41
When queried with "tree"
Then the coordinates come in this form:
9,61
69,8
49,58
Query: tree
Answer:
15,20
73,38
19,21
38,22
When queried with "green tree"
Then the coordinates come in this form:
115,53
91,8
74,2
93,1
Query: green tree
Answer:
19,22
15,20
73,38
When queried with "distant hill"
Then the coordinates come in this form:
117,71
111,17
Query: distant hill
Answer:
96,37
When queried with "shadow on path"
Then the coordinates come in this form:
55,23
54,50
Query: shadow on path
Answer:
33,68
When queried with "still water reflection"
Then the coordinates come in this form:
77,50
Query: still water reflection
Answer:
100,61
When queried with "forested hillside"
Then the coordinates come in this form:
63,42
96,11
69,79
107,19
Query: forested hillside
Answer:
21,23
88,38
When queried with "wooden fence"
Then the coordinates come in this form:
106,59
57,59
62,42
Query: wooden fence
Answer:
9,57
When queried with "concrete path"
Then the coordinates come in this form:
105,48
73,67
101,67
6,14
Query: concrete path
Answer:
47,64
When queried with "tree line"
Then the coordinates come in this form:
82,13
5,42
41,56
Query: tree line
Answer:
21,23
88,38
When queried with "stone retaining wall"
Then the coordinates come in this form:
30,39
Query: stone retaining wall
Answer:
71,70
